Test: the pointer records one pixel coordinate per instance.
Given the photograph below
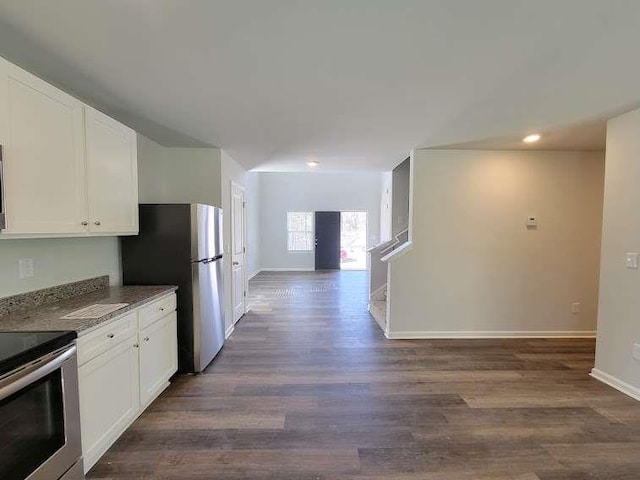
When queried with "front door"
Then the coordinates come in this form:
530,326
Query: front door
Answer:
238,250
327,240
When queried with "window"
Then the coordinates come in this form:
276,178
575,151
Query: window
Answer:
299,231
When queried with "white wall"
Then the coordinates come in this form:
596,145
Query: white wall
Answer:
200,175
193,175
619,311
475,268
386,219
178,175
58,261
252,180
400,178
284,192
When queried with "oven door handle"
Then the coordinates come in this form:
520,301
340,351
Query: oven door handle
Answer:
33,372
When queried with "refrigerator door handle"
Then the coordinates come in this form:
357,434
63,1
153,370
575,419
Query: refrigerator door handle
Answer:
206,261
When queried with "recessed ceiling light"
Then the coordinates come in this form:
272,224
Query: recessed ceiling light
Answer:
313,163
533,138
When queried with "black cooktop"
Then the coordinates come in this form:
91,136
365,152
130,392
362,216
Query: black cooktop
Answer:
19,348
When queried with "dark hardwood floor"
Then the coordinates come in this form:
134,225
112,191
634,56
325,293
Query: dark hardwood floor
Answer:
308,388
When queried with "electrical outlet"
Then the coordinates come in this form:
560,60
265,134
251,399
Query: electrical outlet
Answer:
636,351
26,268
576,307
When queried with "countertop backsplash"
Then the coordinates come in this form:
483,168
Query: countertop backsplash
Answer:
49,295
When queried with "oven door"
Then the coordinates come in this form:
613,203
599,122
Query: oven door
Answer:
40,419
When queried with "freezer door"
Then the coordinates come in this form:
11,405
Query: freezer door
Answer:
206,232
208,318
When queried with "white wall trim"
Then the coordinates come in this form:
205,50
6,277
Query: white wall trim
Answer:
288,269
229,331
253,274
489,334
616,383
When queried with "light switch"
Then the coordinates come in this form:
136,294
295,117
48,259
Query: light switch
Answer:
631,260
636,351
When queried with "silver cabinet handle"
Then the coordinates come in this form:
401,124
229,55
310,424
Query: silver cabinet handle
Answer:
111,335
96,223
135,345
146,339
84,224
236,263
162,309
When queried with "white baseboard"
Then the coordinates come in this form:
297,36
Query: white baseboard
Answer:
229,331
489,334
251,275
619,385
288,270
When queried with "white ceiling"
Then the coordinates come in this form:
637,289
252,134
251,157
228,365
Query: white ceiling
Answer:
353,84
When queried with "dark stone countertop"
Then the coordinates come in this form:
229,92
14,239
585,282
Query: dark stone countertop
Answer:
47,317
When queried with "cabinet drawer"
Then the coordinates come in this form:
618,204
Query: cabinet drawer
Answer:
104,338
157,310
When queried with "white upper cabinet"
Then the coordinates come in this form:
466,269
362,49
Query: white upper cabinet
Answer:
112,174
68,170
43,157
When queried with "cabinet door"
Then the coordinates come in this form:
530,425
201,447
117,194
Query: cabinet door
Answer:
112,174
109,398
158,356
44,168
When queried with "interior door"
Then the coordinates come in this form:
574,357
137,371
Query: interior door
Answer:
327,240
238,251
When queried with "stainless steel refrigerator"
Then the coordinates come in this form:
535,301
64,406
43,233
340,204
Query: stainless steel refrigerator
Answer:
181,244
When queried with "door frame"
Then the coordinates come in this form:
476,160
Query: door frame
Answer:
366,234
245,282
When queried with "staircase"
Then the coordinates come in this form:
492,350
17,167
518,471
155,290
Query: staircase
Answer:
378,273
378,308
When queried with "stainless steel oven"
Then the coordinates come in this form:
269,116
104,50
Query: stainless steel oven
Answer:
40,419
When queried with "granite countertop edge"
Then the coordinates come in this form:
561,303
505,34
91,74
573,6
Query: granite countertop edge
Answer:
47,318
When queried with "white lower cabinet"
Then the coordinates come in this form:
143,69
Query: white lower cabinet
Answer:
109,398
122,370
158,357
